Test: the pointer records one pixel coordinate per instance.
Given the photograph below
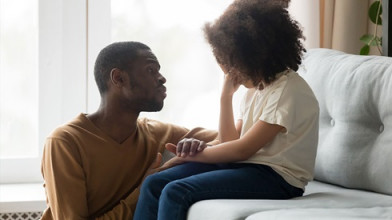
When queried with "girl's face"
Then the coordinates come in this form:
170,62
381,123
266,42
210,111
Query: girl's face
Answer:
248,84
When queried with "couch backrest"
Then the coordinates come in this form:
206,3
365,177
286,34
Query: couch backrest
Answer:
355,97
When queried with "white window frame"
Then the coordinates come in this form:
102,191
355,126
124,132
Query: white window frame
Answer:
99,36
62,79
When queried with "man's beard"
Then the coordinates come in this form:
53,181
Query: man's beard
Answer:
144,105
152,106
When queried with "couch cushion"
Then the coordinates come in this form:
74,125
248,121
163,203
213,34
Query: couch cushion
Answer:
355,136
376,213
317,195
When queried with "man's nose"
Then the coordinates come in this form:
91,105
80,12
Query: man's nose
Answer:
162,79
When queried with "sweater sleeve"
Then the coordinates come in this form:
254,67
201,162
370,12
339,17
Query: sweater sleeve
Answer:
64,181
66,188
179,133
124,210
164,133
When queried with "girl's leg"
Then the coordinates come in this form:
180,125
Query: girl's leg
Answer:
239,181
147,205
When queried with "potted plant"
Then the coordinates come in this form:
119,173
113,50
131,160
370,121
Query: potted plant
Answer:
375,12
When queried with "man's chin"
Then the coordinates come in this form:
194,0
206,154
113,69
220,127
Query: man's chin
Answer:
156,107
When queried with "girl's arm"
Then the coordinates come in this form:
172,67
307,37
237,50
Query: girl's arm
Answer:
228,131
241,149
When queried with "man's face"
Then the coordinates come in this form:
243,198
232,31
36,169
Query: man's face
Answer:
146,91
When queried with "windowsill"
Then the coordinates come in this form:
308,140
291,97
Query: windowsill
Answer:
22,198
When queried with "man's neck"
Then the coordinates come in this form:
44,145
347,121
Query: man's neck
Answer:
119,125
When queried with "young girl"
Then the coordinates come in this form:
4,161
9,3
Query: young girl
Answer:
269,153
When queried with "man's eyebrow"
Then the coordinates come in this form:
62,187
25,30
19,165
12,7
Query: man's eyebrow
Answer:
153,61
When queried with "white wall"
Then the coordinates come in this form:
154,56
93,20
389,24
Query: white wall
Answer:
307,13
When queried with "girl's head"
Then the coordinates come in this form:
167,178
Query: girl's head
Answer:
254,40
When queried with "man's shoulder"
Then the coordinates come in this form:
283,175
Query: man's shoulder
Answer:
156,127
151,124
68,129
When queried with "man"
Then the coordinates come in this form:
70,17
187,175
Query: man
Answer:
94,165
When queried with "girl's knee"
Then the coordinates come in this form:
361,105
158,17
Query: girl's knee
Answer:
178,196
153,181
177,190
172,188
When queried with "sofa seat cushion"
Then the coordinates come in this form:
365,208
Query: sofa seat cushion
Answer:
317,195
375,213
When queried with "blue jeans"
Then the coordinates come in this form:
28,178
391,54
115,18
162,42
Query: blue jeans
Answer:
167,195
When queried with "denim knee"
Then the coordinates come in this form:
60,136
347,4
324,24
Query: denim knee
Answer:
176,191
175,201
153,183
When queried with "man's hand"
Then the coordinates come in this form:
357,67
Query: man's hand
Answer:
187,147
184,148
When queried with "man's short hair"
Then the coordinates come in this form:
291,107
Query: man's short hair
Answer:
116,55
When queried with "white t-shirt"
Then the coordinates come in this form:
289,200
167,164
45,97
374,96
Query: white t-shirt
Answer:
289,102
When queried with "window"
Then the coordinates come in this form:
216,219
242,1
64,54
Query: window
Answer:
43,79
18,78
18,82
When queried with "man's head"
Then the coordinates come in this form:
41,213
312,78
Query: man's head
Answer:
129,72
116,55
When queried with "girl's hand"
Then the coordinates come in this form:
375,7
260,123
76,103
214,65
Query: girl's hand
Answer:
187,147
171,163
230,85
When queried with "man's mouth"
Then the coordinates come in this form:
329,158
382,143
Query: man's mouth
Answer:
162,90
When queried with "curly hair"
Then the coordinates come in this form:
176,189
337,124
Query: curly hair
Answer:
116,55
257,38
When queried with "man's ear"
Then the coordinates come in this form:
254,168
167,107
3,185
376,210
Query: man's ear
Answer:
117,77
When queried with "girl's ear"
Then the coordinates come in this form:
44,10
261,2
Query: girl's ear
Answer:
117,77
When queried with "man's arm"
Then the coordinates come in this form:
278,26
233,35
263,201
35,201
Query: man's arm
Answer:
66,188
64,181
126,208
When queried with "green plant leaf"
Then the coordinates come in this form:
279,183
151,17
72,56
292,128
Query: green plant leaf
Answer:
365,50
370,40
366,38
373,15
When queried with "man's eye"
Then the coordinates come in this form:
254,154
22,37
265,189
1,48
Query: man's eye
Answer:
150,69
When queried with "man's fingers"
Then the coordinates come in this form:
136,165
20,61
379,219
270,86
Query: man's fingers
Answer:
179,147
202,146
185,148
194,147
171,147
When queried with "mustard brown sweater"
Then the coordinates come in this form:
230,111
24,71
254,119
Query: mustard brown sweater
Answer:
90,176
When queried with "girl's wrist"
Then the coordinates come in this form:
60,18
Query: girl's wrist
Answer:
226,96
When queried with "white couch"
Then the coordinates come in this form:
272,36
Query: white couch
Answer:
353,173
